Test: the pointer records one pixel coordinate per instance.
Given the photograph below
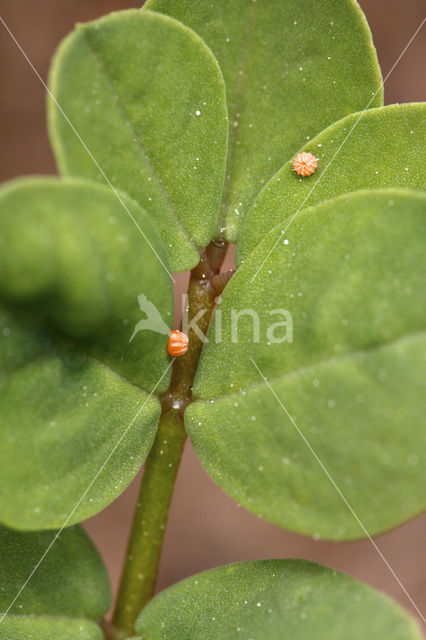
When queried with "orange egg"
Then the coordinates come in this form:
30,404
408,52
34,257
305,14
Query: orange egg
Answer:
178,343
305,164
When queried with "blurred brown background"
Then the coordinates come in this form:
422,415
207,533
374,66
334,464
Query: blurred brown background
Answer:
206,528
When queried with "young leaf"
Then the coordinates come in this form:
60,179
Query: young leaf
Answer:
347,286
147,98
291,68
372,150
72,264
70,585
273,599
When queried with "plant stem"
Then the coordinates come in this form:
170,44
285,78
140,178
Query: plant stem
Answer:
150,519
144,548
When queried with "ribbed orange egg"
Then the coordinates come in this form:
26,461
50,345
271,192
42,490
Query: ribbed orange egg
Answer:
178,343
305,164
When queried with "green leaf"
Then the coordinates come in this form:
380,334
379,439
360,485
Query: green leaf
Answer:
372,150
72,257
273,599
352,278
71,267
69,585
48,628
147,98
291,68
71,580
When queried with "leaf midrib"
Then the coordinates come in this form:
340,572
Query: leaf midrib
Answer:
351,355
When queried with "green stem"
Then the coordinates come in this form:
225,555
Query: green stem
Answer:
149,523
150,519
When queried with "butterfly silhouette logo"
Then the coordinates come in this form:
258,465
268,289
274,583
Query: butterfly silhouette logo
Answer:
153,320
